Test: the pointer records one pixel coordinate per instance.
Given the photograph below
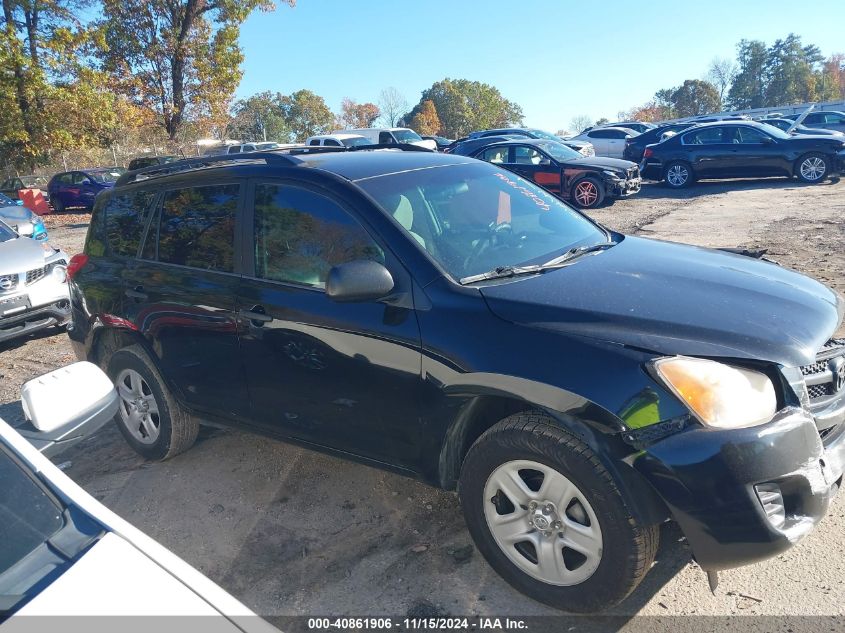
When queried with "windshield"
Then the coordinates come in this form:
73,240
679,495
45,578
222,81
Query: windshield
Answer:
781,125
352,141
106,176
544,135
34,181
559,151
6,233
472,218
406,136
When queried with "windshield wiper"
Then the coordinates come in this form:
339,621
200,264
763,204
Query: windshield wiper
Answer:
502,272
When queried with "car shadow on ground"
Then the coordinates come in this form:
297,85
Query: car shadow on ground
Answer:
658,190
20,341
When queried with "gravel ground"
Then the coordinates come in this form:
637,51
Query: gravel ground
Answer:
294,532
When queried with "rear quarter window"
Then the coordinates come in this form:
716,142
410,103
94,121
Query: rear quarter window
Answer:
125,217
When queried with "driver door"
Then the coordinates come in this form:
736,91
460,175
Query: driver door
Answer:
341,375
534,165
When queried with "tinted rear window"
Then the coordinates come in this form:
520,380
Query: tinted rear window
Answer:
126,215
197,227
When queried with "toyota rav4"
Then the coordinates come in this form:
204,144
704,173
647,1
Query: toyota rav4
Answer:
443,318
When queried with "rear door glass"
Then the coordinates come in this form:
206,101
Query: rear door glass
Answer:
197,227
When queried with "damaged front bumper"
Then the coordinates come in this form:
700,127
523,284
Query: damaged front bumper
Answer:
743,495
622,188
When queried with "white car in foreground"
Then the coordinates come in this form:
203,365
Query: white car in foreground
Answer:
65,554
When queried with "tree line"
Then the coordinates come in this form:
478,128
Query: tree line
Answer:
760,76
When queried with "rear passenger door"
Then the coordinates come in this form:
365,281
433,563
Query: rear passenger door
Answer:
180,294
709,154
340,375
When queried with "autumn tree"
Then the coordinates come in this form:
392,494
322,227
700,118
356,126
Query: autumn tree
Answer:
306,114
259,118
392,105
695,97
426,120
173,56
48,96
358,115
464,106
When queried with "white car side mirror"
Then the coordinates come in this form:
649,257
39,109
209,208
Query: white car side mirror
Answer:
66,396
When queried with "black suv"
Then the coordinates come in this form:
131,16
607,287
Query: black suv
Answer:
444,318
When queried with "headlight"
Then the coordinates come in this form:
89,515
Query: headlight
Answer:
614,175
719,395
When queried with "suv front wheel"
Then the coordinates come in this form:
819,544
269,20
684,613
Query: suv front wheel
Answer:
549,518
151,420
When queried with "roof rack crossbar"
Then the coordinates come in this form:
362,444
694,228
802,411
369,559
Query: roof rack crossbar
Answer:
156,171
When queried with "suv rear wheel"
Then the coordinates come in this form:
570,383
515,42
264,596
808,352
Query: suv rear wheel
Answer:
549,518
151,420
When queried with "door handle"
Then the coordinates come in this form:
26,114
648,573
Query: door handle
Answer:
256,315
137,293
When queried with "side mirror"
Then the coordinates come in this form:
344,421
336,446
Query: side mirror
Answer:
362,280
67,405
768,140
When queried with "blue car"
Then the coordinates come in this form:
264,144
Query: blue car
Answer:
79,188
21,219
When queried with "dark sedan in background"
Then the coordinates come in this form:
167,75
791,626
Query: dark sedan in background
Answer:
585,148
741,150
586,182
635,146
79,188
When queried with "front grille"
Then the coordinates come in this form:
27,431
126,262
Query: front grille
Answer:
37,274
8,283
818,391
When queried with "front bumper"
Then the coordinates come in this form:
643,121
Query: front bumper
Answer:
46,304
712,481
624,188
840,161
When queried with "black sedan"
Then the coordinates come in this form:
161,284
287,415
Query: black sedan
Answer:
635,146
741,150
586,182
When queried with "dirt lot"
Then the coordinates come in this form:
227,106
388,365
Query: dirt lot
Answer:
293,532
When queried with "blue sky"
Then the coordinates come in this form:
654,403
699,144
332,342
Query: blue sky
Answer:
556,58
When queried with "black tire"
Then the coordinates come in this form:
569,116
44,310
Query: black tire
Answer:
677,174
587,193
177,430
58,205
812,168
627,547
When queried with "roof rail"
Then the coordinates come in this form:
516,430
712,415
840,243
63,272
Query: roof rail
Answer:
280,156
157,171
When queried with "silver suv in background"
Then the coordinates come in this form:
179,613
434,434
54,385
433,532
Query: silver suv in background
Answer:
33,285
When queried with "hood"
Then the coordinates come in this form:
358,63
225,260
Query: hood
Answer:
677,299
573,143
612,164
21,254
15,215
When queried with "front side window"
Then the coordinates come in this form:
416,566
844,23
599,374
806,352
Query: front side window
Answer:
746,136
301,235
110,175
314,141
833,117
706,136
331,142
495,155
354,141
197,227
523,155
125,218
472,218
385,138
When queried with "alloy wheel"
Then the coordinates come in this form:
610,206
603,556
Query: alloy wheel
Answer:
543,522
586,193
138,406
677,175
813,168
